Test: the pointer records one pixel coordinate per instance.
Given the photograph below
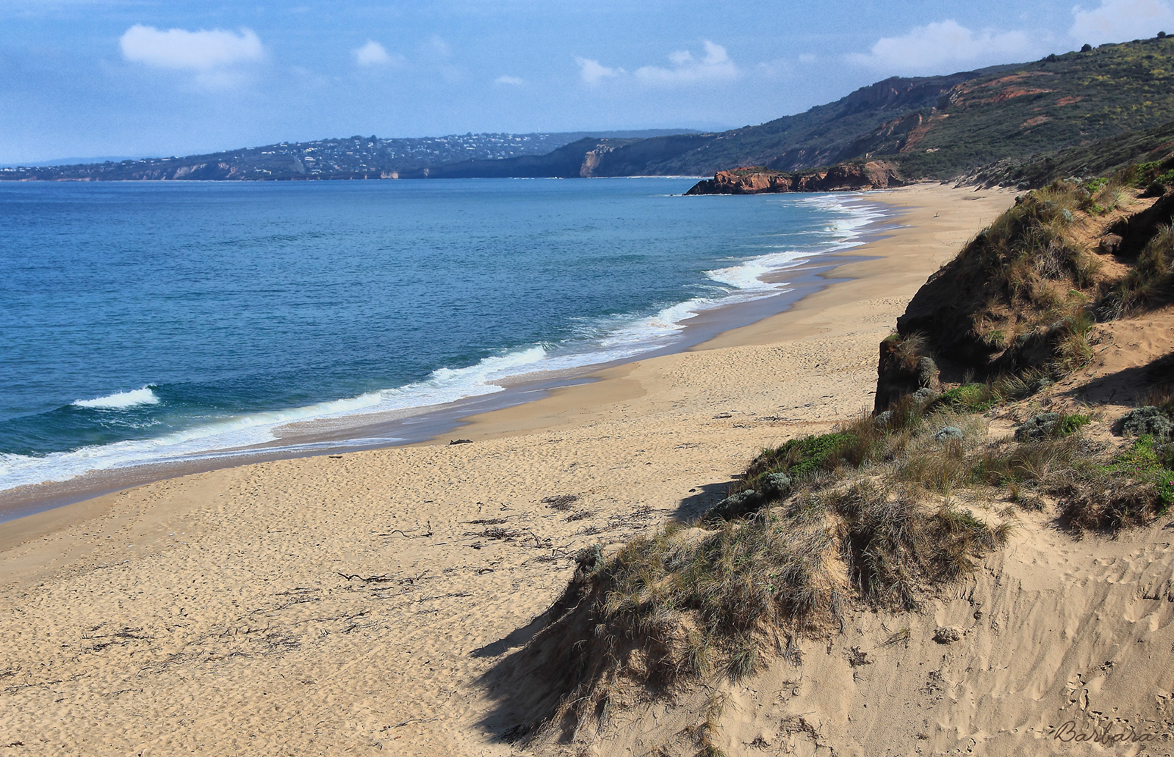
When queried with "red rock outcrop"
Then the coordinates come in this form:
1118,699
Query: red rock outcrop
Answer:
844,177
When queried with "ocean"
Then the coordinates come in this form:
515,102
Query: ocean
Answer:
147,322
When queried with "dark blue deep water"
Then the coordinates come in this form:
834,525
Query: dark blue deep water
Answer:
143,322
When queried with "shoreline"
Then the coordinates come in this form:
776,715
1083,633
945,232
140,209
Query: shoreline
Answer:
432,424
366,601
545,403
864,277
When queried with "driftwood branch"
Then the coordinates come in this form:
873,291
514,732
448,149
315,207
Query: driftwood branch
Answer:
413,531
381,578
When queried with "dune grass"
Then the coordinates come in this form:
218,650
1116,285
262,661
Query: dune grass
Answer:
1133,488
1021,291
873,519
868,522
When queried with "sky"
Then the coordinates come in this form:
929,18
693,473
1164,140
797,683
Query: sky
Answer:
138,78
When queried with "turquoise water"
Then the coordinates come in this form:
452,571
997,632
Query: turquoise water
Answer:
157,322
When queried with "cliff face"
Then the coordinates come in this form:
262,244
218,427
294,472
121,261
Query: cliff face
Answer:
1026,299
848,177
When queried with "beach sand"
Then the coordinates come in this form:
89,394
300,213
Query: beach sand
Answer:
360,603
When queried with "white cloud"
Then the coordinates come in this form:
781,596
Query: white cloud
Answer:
512,81
1121,21
936,47
208,52
714,66
374,54
593,73
807,58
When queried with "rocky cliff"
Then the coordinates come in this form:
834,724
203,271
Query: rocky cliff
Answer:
846,177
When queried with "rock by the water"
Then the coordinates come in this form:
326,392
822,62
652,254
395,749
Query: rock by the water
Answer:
843,177
1038,427
1147,420
948,433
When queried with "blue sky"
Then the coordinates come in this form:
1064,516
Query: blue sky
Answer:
84,78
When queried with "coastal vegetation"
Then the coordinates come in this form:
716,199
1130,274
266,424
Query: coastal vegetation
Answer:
881,513
1103,157
1020,301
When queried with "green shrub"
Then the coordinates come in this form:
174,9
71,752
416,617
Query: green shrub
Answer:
976,398
1144,173
1092,186
804,456
1070,424
1132,489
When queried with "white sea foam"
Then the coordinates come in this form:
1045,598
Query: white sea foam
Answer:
121,400
748,275
615,339
212,439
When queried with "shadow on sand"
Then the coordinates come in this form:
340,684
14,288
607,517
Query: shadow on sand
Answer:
1128,386
545,661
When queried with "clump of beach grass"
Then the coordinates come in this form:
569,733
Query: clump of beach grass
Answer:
1031,245
1020,295
699,601
1132,488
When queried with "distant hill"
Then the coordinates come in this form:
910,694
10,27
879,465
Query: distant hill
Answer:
355,157
821,136
591,156
943,127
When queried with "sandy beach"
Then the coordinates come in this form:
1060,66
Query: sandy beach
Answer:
358,603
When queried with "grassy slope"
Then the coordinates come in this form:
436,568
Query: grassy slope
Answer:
820,136
1097,158
971,119
1046,105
